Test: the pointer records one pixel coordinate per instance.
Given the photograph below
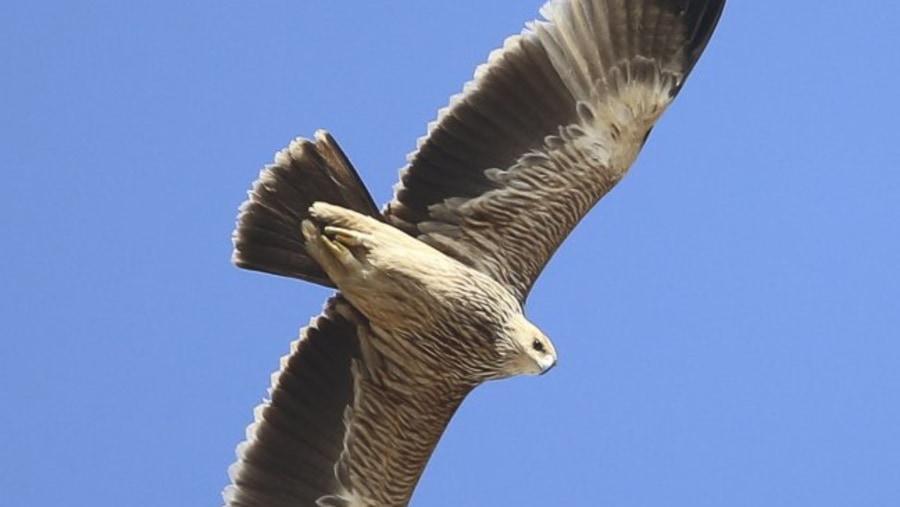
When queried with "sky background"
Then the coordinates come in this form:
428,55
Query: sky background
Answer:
727,319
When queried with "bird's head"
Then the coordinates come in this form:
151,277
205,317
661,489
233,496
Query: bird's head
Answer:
525,349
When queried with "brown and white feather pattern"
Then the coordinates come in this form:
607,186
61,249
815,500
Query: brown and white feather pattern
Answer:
548,125
517,227
346,425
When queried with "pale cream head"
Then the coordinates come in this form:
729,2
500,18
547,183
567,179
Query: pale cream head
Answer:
527,350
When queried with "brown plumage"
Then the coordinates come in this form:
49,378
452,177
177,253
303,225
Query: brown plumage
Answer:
431,291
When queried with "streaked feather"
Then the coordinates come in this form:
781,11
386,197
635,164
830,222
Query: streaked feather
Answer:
548,126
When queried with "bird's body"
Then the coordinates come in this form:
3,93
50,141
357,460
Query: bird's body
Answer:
415,297
431,290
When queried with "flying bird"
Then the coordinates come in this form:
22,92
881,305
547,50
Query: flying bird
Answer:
430,289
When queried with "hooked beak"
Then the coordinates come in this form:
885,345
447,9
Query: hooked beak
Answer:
549,367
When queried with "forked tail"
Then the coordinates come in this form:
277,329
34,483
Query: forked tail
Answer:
268,236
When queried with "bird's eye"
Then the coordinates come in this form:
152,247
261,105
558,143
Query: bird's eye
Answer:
537,345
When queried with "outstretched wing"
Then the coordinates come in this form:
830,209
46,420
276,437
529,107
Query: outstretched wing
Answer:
344,425
549,124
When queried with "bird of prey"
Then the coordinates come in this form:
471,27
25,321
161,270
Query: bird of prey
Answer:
430,289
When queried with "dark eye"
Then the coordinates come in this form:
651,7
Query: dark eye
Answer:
538,346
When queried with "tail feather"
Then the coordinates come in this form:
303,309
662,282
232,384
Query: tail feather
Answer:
268,236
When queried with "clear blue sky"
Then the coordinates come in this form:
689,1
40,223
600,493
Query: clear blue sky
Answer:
727,319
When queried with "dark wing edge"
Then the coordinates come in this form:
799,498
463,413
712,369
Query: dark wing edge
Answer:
268,235
345,424
289,456
548,125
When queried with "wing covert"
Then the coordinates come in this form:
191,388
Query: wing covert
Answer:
548,125
344,425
